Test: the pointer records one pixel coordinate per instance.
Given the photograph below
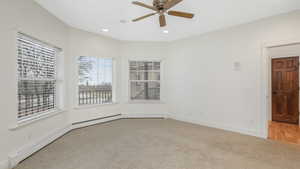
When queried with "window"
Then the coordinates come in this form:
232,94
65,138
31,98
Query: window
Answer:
144,80
36,77
95,80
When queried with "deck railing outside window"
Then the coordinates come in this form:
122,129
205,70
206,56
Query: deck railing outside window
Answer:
95,80
101,94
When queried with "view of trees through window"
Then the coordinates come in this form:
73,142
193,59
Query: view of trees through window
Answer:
95,80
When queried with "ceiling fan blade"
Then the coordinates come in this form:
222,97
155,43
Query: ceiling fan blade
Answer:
144,5
143,17
181,14
171,3
162,20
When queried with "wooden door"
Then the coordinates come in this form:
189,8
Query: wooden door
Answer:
285,90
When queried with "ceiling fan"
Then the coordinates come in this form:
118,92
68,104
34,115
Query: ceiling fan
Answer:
161,7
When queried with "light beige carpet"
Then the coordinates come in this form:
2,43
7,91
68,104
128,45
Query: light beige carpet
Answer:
161,144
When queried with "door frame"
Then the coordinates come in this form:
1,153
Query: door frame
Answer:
266,82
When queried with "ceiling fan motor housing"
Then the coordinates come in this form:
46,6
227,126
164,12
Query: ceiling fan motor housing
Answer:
159,4
162,7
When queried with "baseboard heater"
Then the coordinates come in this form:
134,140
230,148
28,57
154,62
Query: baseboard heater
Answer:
101,118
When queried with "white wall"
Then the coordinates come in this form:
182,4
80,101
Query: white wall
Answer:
198,80
142,51
27,17
88,44
203,86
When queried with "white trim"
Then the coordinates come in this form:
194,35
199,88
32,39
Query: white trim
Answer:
31,148
4,164
145,102
114,81
145,60
122,116
94,106
37,40
145,115
218,126
60,80
282,43
35,118
86,124
15,33
145,80
278,57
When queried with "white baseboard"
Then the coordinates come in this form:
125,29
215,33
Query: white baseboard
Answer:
26,151
4,164
218,126
93,122
31,148
117,117
140,115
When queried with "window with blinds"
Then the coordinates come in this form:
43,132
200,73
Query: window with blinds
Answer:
95,80
36,77
144,80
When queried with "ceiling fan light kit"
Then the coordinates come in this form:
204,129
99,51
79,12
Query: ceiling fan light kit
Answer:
162,7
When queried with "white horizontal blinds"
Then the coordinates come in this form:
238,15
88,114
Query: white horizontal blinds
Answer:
36,77
95,80
144,80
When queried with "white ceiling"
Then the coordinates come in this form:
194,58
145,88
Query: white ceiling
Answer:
93,15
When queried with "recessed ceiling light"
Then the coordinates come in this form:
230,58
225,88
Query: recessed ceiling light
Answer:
105,30
166,31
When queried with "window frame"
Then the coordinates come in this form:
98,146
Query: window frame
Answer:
145,101
59,82
87,106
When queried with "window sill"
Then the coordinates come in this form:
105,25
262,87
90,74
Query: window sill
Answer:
94,106
34,119
145,102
